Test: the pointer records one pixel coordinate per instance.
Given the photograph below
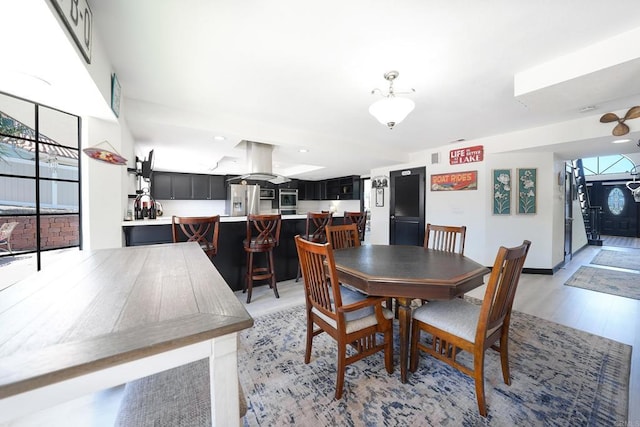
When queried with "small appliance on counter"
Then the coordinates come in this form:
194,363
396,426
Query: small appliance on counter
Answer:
243,199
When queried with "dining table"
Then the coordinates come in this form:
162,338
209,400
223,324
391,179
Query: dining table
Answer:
101,318
407,273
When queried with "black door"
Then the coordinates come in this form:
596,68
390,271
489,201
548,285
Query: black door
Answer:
406,208
619,210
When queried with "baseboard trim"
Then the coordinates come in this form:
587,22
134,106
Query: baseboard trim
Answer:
547,271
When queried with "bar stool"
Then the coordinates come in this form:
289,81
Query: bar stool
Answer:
357,218
315,229
263,234
201,229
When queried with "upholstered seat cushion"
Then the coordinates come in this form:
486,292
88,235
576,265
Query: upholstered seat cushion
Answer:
356,320
456,316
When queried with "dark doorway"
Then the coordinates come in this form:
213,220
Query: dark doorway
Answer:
406,210
568,211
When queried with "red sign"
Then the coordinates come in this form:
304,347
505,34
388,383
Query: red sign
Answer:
466,155
455,181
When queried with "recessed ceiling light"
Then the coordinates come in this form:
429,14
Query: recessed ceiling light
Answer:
219,138
303,150
587,108
620,141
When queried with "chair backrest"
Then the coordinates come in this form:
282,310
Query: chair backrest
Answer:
6,229
315,227
263,230
501,288
445,238
319,272
201,229
343,236
358,218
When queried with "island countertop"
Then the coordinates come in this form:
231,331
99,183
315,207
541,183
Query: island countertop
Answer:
166,219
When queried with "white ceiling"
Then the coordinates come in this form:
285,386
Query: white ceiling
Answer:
299,75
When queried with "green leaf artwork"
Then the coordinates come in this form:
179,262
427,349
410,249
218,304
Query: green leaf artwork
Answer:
502,191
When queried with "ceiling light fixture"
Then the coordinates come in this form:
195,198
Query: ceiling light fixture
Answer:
391,110
620,141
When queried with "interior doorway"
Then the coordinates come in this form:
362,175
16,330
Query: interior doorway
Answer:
406,206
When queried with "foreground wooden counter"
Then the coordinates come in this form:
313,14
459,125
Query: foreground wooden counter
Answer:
103,318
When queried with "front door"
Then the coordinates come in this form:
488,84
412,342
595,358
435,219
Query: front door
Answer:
406,208
619,210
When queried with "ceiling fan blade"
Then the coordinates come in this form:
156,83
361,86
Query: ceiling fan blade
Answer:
608,118
633,113
620,129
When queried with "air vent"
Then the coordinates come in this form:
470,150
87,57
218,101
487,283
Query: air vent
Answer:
435,158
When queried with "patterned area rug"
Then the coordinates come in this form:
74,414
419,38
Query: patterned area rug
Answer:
560,376
620,259
613,282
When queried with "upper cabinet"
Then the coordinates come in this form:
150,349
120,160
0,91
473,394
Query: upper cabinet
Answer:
345,188
184,186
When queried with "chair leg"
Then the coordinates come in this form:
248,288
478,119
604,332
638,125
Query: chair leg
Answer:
342,362
272,270
388,351
504,356
307,354
415,336
478,376
249,278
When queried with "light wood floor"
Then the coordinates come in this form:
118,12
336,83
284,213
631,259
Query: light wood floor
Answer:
544,296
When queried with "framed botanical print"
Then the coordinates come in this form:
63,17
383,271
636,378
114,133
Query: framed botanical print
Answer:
502,191
379,197
527,190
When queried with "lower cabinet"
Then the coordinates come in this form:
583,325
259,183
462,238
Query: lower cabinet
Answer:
231,258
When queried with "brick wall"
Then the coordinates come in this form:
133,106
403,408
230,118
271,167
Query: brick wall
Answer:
56,231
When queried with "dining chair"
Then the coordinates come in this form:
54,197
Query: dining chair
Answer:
460,325
358,218
315,229
445,238
349,317
6,230
201,229
263,235
343,236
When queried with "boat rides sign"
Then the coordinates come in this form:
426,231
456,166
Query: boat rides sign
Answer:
466,155
455,181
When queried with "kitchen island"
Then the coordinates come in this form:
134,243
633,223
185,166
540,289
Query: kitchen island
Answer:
105,317
231,258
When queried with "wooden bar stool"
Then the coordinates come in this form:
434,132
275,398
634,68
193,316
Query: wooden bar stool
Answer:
201,229
357,218
315,229
263,234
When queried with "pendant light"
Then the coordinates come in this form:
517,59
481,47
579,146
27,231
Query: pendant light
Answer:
391,110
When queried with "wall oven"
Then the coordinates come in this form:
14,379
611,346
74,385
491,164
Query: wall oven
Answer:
288,201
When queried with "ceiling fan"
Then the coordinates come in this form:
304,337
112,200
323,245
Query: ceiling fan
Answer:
621,128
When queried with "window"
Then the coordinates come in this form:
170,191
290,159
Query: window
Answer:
617,163
39,176
616,201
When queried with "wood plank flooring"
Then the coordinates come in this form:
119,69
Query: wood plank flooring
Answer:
544,296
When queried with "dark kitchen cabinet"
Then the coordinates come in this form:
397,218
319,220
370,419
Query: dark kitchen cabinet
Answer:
185,186
308,190
344,188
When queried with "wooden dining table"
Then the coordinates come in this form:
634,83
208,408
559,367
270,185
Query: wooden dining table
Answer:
97,319
407,273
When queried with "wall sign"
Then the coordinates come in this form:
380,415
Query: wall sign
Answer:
455,181
466,155
78,19
116,93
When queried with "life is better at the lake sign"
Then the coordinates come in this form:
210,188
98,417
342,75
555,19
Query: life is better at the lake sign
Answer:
466,155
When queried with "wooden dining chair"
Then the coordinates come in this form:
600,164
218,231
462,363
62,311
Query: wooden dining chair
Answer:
445,238
201,229
458,324
349,317
315,229
343,236
358,218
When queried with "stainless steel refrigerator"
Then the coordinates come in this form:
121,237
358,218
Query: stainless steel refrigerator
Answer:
243,200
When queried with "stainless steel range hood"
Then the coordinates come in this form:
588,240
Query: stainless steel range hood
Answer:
259,158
